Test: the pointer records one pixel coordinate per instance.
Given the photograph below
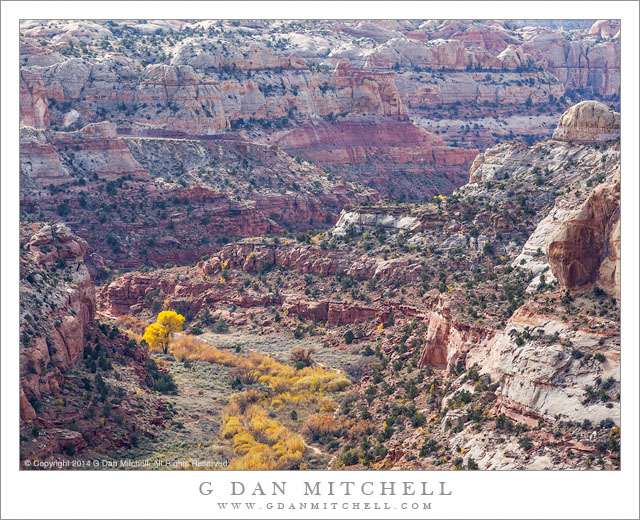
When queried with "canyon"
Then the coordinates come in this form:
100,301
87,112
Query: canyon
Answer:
432,208
541,378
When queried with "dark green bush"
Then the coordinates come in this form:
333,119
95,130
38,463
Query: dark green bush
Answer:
349,457
349,337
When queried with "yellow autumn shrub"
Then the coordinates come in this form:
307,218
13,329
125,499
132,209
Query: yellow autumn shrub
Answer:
318,425
243,442
231,427
258,440
327,405
338,384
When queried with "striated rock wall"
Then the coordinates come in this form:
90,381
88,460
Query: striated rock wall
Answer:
95,151
358,142
127,293
588,122
584,64
448,340
203,85
334,313
390,155
370,219
429,91
34,107
175,97
169,200
435,55
541,379
586,247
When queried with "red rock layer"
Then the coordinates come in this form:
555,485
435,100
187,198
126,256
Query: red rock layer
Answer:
358,142
72,314
381,149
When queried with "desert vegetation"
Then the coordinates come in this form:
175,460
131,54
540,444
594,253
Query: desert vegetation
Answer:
267,387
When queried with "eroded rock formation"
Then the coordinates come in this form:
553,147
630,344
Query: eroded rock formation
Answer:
586,247
52,343
588,122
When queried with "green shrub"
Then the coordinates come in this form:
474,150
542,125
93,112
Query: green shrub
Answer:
525,443
220,327
349,457
164,383
418,420
35,403
504,423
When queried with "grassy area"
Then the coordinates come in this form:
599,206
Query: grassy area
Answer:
250,424
279,346
193,416
274,403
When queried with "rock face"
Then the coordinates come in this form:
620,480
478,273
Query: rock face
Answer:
578,64
33,101
198,85
483,89
586,247
606,29
127,294
202,52
58,157
575,245
53,343
588,122
369,92
547,380
334,312
448,340
393,156
175,97
491,36
66,356
372,220
360,142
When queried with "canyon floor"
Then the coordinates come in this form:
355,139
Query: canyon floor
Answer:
203,390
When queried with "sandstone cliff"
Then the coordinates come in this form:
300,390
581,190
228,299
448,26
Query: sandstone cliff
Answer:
589,121
53,276
194,83
188,188
395,157
586,247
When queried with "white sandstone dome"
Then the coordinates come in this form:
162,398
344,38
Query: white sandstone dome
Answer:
588,122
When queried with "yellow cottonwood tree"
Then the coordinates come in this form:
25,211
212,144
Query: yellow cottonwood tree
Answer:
158,335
